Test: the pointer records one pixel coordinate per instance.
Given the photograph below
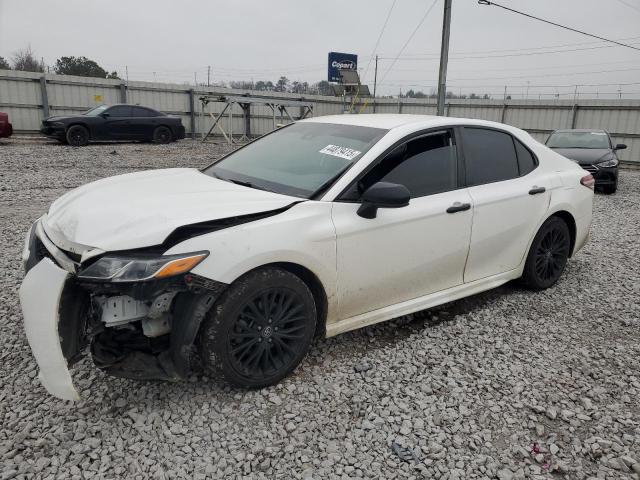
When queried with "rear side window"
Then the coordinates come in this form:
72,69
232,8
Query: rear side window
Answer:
490,156
119,111
425,165
143,112
526,161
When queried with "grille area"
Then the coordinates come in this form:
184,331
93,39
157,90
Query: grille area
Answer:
589,168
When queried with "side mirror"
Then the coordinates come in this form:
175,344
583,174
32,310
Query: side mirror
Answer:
620,146
383,195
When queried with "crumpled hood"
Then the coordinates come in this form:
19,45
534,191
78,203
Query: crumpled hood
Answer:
584,156
141,209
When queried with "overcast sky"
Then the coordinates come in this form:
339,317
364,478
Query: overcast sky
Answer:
260,40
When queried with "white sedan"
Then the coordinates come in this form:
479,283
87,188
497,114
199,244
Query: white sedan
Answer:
323,226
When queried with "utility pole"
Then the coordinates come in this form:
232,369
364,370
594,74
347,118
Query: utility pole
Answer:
528,84
444,57
209,76
375,78
505,93
375,84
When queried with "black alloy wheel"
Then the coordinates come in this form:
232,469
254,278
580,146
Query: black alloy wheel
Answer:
162,135
77,136
267,334
259,329
548,254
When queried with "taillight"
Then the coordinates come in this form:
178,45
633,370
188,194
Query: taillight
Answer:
588,181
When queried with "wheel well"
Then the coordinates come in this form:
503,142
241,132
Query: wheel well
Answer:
571,223
314,284
77,124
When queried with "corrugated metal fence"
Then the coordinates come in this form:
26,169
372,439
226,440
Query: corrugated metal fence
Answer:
29,97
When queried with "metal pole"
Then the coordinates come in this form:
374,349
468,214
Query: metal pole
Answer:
45,96
192,113
209,76
375,78
444,57
375,84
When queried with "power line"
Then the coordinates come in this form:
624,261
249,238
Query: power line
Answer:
487,2
521,54
424,17
630,5
375,49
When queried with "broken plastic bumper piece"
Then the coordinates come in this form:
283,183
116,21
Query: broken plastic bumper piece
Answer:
40,295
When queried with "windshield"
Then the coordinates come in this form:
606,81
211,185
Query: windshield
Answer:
299,159
578,140
94,112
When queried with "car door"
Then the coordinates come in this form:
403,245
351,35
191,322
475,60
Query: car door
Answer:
407,252
143,122
117,124
510,198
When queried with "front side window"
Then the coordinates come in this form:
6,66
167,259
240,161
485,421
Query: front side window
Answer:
490,156
299,159
119,111
578,140
425,165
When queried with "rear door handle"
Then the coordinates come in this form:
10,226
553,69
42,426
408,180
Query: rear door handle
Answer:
537,190
458,207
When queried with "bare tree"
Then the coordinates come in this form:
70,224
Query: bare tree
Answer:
27,61
4,65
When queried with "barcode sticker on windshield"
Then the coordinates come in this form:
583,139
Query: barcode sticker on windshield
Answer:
342,152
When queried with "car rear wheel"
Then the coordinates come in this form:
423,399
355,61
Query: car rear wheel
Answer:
77,136
548,254
610,189
260,329
162,135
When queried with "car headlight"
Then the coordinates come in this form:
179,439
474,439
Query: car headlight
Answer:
608,163
138,268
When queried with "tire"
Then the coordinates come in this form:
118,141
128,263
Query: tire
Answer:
259,330
162,135
610,189
548,255
77,136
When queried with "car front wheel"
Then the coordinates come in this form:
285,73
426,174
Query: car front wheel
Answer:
548,254
260,329
77,136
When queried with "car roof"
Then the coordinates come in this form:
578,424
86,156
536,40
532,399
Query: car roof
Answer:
580,130
390,121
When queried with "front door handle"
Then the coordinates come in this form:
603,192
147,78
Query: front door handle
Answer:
537,190
458,207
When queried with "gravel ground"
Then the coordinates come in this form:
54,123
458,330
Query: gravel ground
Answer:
507,384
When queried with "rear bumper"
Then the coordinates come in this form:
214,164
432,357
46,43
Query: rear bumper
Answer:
6,131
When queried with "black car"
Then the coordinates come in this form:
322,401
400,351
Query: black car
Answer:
593,150
115,122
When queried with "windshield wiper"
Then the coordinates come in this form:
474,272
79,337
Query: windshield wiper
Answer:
247,184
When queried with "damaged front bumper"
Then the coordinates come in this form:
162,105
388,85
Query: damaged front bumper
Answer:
40,295
141,330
